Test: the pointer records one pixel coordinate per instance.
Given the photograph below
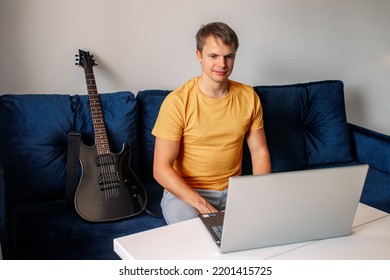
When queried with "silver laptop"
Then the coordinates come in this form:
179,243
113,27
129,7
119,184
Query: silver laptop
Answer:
287,207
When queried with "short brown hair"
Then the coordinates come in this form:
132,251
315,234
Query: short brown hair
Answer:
218,30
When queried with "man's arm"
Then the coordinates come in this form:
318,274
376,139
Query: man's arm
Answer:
257,143
165,153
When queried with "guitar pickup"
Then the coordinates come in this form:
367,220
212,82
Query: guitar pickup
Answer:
106,159
109,180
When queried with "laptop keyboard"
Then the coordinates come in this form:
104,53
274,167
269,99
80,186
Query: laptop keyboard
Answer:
217,230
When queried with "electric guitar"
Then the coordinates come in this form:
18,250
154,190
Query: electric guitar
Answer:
108,189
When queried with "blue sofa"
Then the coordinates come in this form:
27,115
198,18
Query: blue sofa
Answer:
305,125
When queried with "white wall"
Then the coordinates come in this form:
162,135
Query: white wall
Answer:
150,44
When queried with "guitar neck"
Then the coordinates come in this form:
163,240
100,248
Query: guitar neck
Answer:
101,139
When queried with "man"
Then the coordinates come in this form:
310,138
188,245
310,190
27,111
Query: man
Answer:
201,128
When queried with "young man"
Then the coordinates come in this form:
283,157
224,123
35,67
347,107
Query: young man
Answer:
201,128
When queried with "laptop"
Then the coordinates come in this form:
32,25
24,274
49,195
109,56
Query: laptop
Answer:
287,207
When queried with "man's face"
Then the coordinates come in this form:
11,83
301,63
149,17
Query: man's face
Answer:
217,59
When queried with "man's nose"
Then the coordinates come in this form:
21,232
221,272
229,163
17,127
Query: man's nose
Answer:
222,61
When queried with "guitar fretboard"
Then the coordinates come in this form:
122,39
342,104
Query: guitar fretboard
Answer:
101,140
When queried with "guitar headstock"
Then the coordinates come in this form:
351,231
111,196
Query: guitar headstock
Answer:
85,59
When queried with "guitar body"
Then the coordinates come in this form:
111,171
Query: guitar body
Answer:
108,189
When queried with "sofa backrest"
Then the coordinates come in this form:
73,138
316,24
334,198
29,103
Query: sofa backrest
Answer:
34,137
305,126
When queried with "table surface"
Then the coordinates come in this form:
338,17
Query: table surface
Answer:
189,240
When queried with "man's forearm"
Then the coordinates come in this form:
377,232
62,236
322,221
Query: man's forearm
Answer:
261,163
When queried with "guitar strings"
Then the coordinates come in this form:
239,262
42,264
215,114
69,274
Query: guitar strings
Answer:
108,172
105,159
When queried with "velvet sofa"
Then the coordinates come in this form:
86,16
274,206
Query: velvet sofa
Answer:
305,124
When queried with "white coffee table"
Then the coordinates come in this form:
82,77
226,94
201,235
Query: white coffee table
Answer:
189,240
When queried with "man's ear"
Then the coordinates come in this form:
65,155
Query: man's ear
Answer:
199,55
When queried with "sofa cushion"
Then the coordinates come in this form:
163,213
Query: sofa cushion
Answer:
120,117
37,134
325,126
149,103
305,124
34,132
284,108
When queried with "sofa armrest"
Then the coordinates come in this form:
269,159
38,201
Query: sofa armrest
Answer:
371,147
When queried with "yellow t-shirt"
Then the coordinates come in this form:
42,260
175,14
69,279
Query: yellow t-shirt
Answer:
211,131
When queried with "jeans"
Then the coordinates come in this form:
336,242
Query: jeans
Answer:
176,210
